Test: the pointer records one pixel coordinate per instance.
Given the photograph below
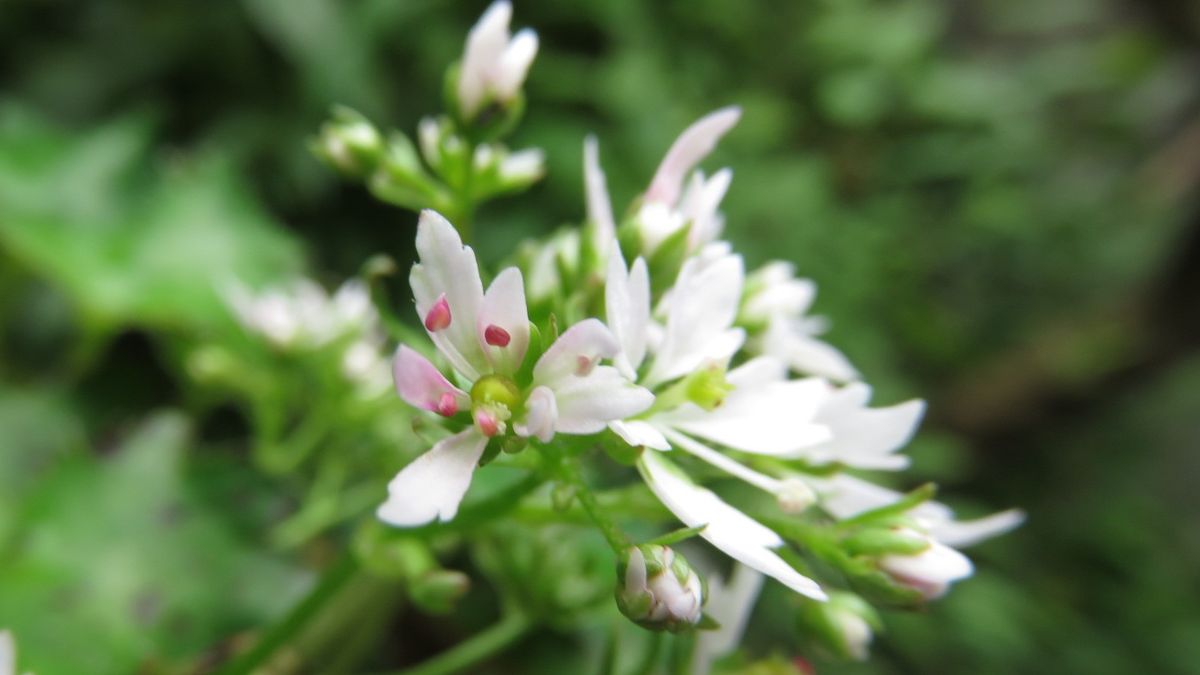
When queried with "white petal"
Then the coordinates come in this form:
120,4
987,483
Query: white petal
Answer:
541,415
433,485
934,567
514,64
779,293
866,437
692,145
587,404
962,533
599,206
773,418
756,372
8,654
806,354
421,384
584,343
733,532
640,434
723,462
485,47
447,267
730,606
700,205
504,307
702,308
524,165
627,308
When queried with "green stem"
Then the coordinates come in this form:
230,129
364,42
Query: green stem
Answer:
334,579
568,470
466,654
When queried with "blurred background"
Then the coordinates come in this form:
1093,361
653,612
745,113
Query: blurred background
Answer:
999,200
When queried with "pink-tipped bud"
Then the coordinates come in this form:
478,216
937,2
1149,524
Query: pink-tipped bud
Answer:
438,317
487,423
584,365
446,405
496,336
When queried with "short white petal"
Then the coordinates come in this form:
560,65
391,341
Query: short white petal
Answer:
723,462
599,206
640,434
514,64
702,308
587,404
774,418
733,532
701,209
541,415
627,308
504,306
866,437
587,341
447,267
692,146
939,564
806,354
433,485
486,43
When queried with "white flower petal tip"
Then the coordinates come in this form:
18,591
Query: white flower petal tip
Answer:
433,485
599,205
627,307
929,572
541,415
695,143
448,293
963,533
640,434
731,531
503,322
863,437
423,386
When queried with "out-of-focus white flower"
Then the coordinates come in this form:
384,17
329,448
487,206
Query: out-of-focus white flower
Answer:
658,589
495,62
523,166
777,304
730,606
930,571
8,654
862,437
484,337
753,408
599,206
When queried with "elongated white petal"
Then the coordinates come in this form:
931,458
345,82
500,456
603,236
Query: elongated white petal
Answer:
730,606
575,352
963,533
702,307
587,404
448,269
503,322
733,532
433,485
541,415
640,434
423,386
692,145
514,64
700,204
773,418
627,308
806,354
864,437
723,462
8,654
599,206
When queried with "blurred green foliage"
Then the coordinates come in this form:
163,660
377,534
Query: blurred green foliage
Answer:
965,181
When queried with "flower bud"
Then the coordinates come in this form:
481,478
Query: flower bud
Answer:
842,626
437,591
657,589
929,571
350,143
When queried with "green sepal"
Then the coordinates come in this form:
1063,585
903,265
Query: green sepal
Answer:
667,260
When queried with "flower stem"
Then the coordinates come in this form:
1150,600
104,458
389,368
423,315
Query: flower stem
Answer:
569,472
466,654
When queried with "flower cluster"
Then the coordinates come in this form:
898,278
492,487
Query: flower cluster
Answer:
645,335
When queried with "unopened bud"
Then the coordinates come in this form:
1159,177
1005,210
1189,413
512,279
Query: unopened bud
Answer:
657,589
843,626
929,571
437,591
350,143
795,496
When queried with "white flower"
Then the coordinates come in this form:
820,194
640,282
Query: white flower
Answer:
599,207
730,606
930,571
763,413
484,336
494,63
862,437
777,303
8,654
667,206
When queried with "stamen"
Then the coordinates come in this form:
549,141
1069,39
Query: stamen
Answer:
496,336
487,423
446,405
584,365
438,317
